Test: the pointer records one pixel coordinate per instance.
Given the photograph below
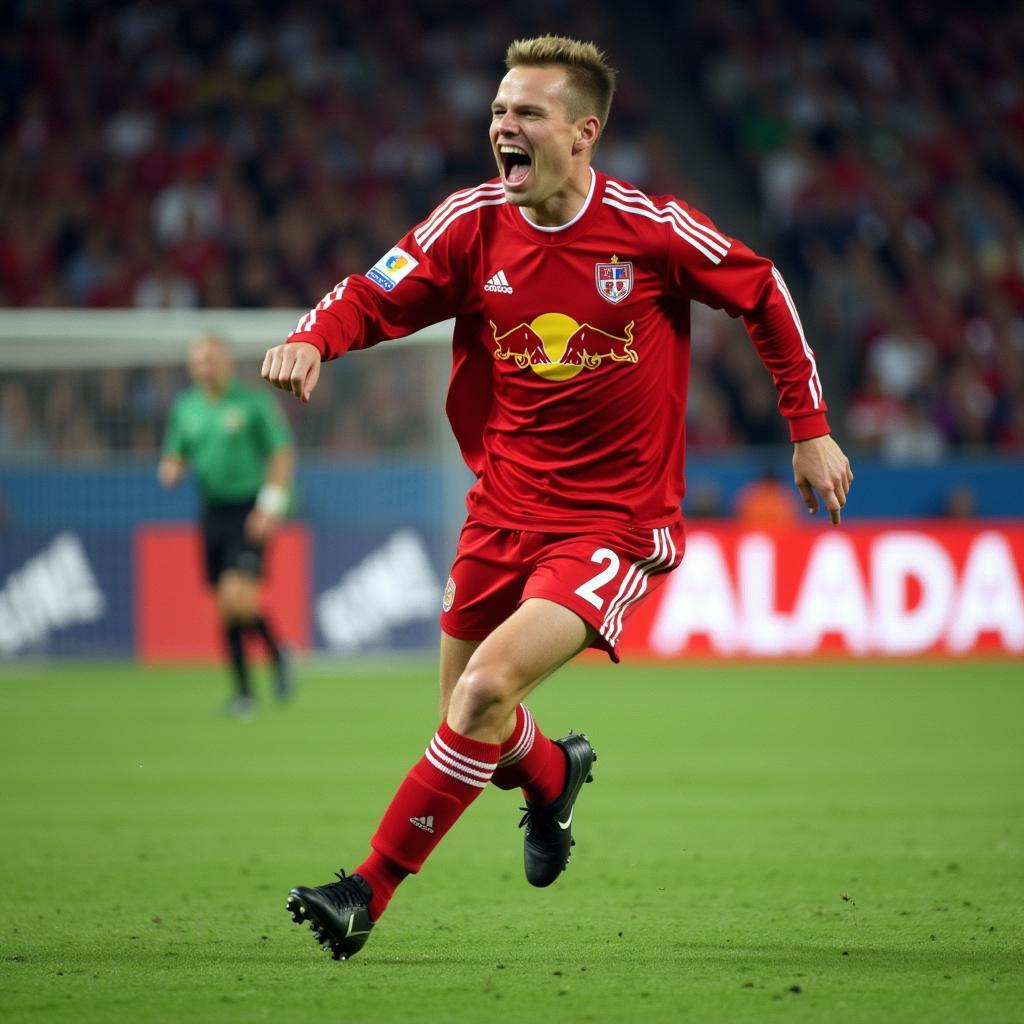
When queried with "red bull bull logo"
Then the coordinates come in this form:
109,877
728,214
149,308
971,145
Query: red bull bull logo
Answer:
557,348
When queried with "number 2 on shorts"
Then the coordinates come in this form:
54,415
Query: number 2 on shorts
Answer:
588,590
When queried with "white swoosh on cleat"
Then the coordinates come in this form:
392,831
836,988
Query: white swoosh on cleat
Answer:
352,920
568,821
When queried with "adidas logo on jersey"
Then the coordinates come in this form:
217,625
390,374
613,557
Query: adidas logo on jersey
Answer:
426,823
499,283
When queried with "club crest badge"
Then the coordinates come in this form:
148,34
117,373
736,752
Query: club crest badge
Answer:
614,280
449,596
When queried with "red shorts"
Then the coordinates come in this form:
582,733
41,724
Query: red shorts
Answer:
601,576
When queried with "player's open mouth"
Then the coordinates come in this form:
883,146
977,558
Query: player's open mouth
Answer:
515,164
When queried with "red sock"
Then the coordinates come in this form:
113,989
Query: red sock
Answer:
530,760
452,773
384,877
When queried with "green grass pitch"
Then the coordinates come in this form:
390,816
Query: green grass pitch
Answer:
820,842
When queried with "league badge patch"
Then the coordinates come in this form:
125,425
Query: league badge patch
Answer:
449,596
614,280
391,268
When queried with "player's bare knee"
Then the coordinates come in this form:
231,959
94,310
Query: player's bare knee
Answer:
233,616
484,693
224,607
231,603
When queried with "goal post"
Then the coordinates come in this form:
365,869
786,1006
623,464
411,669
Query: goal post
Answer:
53,339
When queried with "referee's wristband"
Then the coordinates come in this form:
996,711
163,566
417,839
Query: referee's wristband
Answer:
272,500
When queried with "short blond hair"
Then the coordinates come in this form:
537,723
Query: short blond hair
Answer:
590,79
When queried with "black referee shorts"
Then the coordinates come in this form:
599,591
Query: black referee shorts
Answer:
225,544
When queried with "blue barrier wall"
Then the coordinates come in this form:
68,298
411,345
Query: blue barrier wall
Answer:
68,576
394,494
883,490
411,493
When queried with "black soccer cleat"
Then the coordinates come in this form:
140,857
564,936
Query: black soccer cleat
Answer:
284,677
338,913
548,838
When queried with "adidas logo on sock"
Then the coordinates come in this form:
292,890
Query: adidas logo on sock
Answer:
426,823
499,283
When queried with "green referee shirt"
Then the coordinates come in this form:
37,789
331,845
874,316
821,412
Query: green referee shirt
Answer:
227,441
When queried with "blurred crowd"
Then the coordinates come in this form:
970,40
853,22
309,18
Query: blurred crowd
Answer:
178,153
886,147
366,407
188,154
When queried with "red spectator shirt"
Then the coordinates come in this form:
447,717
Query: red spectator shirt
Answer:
571,345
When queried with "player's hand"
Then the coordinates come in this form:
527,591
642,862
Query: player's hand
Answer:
820,465
170,471
260,525
293,367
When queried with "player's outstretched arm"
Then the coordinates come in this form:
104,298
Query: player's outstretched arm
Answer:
293,367
820,465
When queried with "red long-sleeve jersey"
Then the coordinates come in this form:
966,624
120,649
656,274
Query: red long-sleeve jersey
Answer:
571,345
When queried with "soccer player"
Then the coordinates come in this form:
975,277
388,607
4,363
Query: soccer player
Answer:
239,446
570,292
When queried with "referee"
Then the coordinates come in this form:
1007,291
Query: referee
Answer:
240,449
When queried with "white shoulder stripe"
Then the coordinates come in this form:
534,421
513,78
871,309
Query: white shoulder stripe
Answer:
710,238
666,217
428,240
455,197
814,381
713,237
703,230
460,198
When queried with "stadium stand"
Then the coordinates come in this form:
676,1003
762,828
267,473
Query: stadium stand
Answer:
220,155
884,145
